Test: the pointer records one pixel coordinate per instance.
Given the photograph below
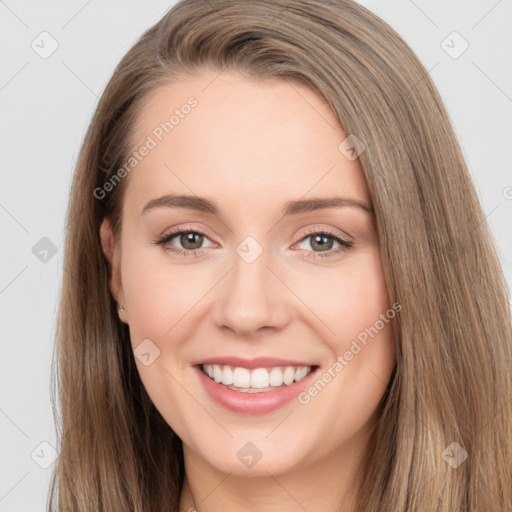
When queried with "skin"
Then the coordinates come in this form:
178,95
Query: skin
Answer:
252,145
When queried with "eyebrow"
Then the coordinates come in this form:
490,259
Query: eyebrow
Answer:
294,207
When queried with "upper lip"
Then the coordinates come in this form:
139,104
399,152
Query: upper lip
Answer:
258,362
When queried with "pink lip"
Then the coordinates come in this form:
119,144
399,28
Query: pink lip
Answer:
253,403
258,362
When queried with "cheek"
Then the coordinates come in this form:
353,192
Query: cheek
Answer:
346,300
160,295
342,302
356,322
159,298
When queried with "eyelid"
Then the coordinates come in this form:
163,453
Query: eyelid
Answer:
325,229
181,228
344,240
316,229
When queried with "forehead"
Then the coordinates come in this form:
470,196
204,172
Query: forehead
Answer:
242,139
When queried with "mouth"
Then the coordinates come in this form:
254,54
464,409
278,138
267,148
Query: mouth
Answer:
252,387
255,380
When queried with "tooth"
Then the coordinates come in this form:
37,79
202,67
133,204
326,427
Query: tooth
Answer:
227,376
301,373
241,378
209,370
217,373
288,375
259,378
276,377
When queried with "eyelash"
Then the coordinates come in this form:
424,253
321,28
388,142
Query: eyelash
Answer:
345,244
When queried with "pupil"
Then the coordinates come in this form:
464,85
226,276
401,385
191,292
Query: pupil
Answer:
321,241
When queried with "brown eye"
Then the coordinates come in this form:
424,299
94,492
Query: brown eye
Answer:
191,240
184,242
321,242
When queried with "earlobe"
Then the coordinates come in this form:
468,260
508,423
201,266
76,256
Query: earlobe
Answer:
111,252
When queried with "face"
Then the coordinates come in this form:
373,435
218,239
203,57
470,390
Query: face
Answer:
247,281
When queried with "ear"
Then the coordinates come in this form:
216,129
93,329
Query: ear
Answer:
112,253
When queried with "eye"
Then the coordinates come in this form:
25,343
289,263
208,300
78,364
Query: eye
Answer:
191,241
322,241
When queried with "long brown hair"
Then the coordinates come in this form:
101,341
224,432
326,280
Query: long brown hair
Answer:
452,381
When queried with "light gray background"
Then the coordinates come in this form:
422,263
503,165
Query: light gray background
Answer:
46,106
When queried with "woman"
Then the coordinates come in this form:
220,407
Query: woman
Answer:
280,292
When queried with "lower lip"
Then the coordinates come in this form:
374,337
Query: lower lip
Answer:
253,403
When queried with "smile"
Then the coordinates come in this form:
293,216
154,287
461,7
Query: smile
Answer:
257,386
256,380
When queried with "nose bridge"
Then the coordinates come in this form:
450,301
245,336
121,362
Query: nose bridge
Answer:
251,296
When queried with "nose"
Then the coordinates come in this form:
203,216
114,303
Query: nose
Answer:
251,300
